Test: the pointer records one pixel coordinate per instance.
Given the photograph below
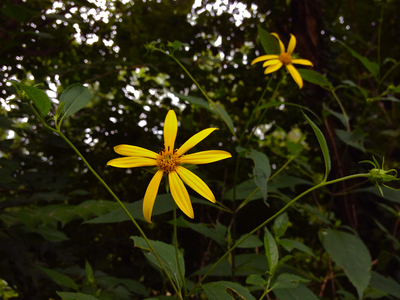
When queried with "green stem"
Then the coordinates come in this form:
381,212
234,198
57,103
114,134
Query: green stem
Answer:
367,175
57,131
213,106
341,107
254,110
387,73
177,253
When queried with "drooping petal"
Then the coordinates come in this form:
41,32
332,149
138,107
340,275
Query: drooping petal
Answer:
273,68
180,194
150,196
194,140
281,46
132,162
205,157
134,151
292,44
264,57
170,130
195,183
304,62
271,62
296,75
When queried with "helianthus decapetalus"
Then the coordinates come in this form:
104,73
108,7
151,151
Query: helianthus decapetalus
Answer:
169,161
274,62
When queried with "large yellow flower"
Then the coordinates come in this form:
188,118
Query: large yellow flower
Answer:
169,161
274,62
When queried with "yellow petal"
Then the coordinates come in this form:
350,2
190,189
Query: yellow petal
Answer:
264,57
205,157
304,62
151,194
170,130
128,150
281,46
131,162
296,75
292,44
273,68
194,140
195,183
180,194
271,62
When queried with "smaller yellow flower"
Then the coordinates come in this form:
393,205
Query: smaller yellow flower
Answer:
169,162
274,62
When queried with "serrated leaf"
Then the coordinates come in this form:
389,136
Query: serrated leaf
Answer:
323,145
314,77
224,290
75,97
38,97
167,255
75,296
59,278
268,41
349,252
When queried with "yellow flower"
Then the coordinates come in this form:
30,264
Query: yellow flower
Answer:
169,161
274,61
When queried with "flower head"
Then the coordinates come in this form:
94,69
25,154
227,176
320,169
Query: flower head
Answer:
274,62
169,161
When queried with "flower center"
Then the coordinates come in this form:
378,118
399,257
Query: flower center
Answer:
167,161
285,58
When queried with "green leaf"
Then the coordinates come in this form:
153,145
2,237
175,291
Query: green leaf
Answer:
301,292
245,189
288,281
279,103
261,170
256,279
75,97
204,230
224,116
353,138
166,253
315,77
268,41
280,225
194,101
51,234
372,67
323,145
251,242
342,118
224,290
59,278
349,252
271,250
385,284
89,274
388,194
289,244
75,296
38,97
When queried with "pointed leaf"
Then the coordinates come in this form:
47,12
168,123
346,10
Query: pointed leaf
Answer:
271,250
301,292
314,77
269,42
75,296
280,225
323,145
59,278
289,244
261,170
385,284
288,281
166,253
224,116
194,100
256,279
251,242
349,252
75,97
354,138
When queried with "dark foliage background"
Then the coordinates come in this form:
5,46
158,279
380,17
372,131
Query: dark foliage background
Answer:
46,193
